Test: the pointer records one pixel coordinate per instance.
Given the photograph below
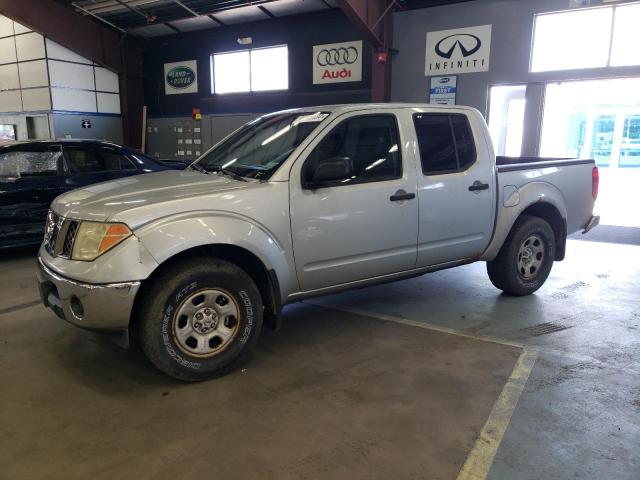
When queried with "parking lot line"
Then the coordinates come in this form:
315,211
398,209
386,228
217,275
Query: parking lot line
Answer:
479,461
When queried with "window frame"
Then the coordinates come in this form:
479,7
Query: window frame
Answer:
339,123
212,64
455,143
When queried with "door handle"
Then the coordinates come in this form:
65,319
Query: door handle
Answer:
401,195
477,186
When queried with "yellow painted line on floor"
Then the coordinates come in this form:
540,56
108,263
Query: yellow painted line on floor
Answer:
480,459
414,323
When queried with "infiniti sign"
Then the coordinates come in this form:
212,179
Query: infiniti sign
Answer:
467,44
461,50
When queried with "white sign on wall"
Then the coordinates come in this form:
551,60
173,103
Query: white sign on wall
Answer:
462,50
443,90
181,77
337,62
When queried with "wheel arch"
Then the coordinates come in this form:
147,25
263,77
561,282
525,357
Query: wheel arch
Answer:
549,213
536,199
266,279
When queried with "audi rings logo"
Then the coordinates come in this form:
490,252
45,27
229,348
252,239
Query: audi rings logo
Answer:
329,57
467,44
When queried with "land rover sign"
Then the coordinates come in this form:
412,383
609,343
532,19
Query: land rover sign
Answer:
180,77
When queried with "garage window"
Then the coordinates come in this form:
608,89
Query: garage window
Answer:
255,70
445,141
586,38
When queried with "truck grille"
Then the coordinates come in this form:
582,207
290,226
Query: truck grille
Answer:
60,233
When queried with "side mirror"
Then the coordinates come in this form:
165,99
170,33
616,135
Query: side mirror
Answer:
328,172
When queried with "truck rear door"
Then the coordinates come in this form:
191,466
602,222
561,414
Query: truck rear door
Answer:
456,187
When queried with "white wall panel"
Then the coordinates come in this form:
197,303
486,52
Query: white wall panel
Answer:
7,50
106,80
9,77
19,28
108,102
72,75
6,26
73,100
58,52
30,46
36,99
33,74
10,101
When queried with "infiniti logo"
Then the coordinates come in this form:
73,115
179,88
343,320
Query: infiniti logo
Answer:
467,44
337,56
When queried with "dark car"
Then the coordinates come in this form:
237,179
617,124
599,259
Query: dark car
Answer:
32,174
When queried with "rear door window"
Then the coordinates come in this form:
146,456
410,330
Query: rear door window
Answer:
92,160
445,141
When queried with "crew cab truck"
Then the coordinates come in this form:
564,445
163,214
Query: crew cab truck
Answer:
296,204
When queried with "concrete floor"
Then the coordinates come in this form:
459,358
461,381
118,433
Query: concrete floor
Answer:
579,415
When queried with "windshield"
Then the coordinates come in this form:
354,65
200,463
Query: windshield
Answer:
260,147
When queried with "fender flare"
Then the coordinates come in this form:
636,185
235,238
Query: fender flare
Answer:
170,236
520,200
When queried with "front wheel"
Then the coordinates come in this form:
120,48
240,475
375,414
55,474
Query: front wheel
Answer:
199,319
525,260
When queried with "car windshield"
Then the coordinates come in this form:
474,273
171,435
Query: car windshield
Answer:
260,147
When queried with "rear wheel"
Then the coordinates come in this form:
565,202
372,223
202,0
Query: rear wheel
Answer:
199,319
525,259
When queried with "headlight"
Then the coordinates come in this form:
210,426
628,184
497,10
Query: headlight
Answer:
94,238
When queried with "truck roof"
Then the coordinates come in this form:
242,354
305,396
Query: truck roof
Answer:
350,107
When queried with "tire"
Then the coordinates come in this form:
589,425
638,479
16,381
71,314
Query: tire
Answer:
199,319
525,260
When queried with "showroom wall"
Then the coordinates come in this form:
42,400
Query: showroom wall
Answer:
300,33
41,79
170,126
512,26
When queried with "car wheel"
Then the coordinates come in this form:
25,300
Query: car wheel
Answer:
525,260
199,319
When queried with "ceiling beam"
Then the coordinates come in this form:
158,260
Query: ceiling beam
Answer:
374,19
368,16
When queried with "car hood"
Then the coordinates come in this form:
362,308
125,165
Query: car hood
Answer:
143,198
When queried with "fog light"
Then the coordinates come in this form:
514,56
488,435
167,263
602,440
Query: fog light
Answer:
76,307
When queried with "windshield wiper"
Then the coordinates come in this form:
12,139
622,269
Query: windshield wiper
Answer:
228,172
198,168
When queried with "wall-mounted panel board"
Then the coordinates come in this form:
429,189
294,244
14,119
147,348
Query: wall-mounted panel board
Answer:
106,80
108,102
30,46
33,74
10,101
73,100
58,52
7,50
9,79
71,75
36,99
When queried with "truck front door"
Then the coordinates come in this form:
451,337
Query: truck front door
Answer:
360,221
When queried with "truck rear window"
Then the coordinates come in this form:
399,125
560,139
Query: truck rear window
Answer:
445,141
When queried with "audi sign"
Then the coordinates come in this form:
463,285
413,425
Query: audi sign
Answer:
337,62
462,50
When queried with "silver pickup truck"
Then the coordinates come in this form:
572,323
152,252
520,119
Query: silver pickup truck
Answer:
301,203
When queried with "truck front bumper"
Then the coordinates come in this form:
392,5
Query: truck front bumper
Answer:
96,307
